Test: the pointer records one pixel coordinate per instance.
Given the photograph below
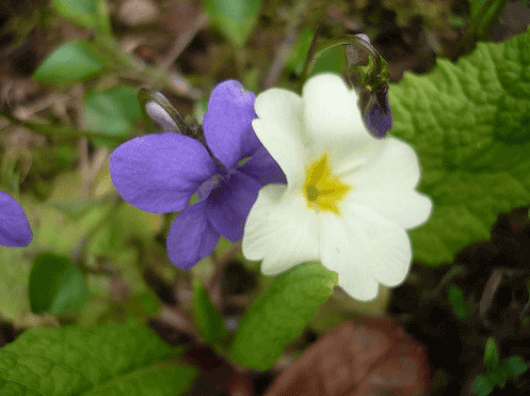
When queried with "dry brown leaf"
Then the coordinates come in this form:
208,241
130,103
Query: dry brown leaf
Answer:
364,357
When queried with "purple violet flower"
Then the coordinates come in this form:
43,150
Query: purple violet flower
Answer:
15,230
159,173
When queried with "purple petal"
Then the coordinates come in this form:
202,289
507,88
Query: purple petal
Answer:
191,236
228,123
262,167
159,173
15,230
229,204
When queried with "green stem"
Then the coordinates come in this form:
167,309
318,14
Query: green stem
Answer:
474,31
342,40
59,131
108,45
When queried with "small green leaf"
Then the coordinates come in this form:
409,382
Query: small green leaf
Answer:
468,121
56,285
113,111
120,360
235,19
80,12
457,300
71,62
280,314
491,358
482,386
515,365
208,319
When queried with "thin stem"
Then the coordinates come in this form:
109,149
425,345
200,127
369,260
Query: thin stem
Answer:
343,40
59,131
474,32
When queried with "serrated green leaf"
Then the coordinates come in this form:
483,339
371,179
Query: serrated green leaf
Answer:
280,314
207,318
80,12
56,285
117,360
235,19
113,111
71,62
469,123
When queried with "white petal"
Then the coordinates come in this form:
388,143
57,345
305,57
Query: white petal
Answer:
386,184
160,116
363,247
281,230
332,118
280,128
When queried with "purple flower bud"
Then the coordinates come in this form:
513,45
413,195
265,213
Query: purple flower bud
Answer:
378,116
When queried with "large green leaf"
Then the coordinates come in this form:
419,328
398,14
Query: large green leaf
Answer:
71,62
235,19
56,285
469,122
280,314
117,360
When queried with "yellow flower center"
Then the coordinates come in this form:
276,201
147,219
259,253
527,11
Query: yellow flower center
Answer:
322,190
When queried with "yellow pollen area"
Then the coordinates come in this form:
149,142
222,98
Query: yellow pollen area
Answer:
322,190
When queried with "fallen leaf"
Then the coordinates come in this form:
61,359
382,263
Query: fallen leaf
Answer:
364,357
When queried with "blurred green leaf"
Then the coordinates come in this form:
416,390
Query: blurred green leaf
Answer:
15,268
122,360
331,60
75,207
80,12
71,62
457,300
207,318
467,122
515,365
280,314
482,386
235,19
113,111
56,285
491,357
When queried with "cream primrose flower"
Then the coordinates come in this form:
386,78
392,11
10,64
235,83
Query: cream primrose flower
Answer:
349,197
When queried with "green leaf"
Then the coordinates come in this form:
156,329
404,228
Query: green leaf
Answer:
331,60
491,357
280,314
126,359
235,19
14,272
56,285
468,121
207,318
113,111
71,62
482,386
515,365
457,300
80,12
